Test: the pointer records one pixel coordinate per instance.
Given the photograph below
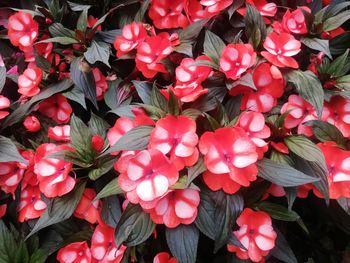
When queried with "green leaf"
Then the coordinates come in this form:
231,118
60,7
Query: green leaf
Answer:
183,242
336,21
245,80
213,46
134,227
9,152
192,113
173,104
83,77
111,210
108,36
282,250
112,188
195,170
309,88
208,101
104,165
144,90
339,44
336,68
82,20
2,77
77,95
282,174
98,51
190,33
343,83
8,246
255,28
60,40
317,44
217,213
141,13
325,131
58,30
278,212
60,209
42,62
78,7
22,254
23,110
39,256
158,100
135,139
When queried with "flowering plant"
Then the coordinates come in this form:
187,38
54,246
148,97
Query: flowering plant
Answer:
174,131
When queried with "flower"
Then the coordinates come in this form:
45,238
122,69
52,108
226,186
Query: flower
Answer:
177,137
223,181
31,205
87,208
254,125
97,142
31,123
215,6
22,30
280,49
236,59
168,14
147,176
150,53
28,82
53,174
269,84
103,247
101,83
338,164
132,35
59,133
294,22
230,150
164,257
57,108
256,234
176,207
3,209
339,114
77,252
4,103
265,9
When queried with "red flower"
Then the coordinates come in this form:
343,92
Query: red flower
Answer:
236,59
97,143
132,35
338,164
177,137
103,247
280,147
3,210
150,53
31,123
101,83
164,257
53,174
256,234
269,84
147,176
57,108
4,103
59,133
339,114
264,8
28,82
195,11
176,207
215,6
91,21
31,205
77,252
11,173
216,182
230,150
281,48
87,209
22,30
294,22
254,125
168,14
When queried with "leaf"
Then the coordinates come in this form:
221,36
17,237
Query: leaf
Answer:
108,36
325,131
195,170
42,62
83,19
190,33
208,101
59,209
339,44
8,246
245,80
282,250
255,28
158,100
144,90
83,77
135,139
18,114
141,13
336,21
58,30
278,212
60,40
78,7
309,88
173,104
217,213
192,113
112,188
317,44
233,107
213,46
111,211
282,174
98,51
183,242
345,204
9,152
336,68
2,77
343,83
39,256
134,226
103,167
77,95
22,254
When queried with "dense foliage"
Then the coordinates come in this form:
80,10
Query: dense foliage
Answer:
174,131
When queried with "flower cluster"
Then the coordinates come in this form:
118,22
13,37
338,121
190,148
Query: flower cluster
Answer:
130,131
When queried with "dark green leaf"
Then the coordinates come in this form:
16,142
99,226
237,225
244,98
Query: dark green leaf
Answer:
42,62
82,20
2,77
325,131
255,28
158,100
134,226
208,101
77,7
173,104
192,113
195,170
111,211
339,44
60,209
77,95
309,87
58,30
336,21
245,80
183,242
104,166
336,68
278,212
282,250
144,90
213,46
317,44
141,13
112,188
22,254
9,152
60,40
8,246
98,51
343,83
39,256
282,174
108,36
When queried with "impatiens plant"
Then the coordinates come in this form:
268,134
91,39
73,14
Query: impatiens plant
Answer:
180,131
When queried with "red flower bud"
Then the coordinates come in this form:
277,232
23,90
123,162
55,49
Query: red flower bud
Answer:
97,142
31,123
